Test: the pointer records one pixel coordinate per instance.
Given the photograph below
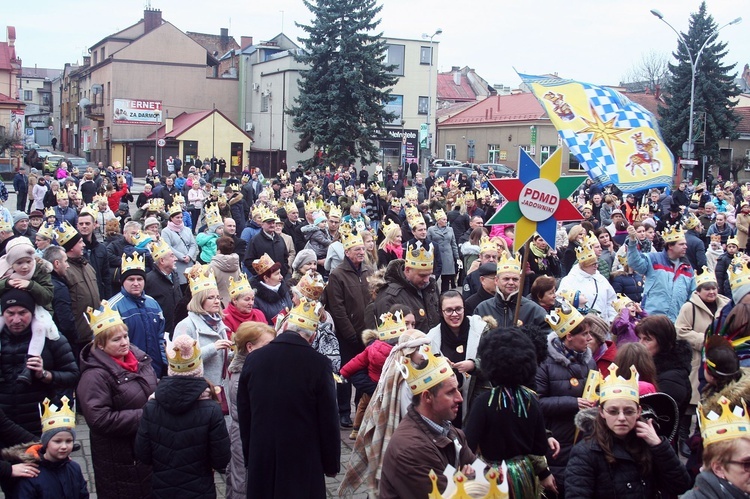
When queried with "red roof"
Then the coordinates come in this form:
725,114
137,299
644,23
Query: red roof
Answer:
744,125
647,100
448,90
500,108
4,99
182,123
7,54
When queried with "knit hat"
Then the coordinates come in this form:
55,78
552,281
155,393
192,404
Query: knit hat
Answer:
150,221
47,435
598,327
303,257
16,298
17,248
184,357
18,216
319,219
123,207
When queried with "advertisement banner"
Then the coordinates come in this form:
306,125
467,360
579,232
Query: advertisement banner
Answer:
137,112
16,124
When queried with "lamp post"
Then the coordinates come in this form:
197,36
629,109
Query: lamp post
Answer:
693,67
425,36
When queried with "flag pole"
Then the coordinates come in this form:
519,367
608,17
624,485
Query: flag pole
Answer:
521,282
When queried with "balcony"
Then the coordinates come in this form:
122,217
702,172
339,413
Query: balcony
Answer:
94,112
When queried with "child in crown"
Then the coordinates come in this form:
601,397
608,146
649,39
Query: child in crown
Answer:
21,269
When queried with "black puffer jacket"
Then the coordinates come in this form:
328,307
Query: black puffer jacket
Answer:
21,402
630,285
270,302
673,371
184,438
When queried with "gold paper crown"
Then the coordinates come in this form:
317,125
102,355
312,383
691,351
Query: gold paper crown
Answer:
585,254
705,277
388,226
180,364
621,302
672,234
486,245
715,238
140,237
727,426
103,319
159,249
564,319
439,214
99,199
311,207
591,239
222,199
201,278
47,230
616,387
411,194
54,418
351,240
415,219
306,315
245,178
89,209
239,287
507,263
65,232
49,212
396,204
311,285
213,217
62,194
5,226
695,198
291,206
419,380
739,273
419,258
178,199
587,206
334,211
155,204
175,209
733,240
691,222
460,480
136,262
214,193
262,264
644,210
485,193
256,211
345,229
391,325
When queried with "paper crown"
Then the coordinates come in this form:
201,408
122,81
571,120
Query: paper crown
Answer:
46,230
644,210
89,209
262,264
587,206
591,239
705,277
268,215
159,249
99,199
617,387
390,227
412,194
571,296
239,287
440,214
334,212
672,234
305,315
418,257
621,302
178,199
733,240
715,238
103,318
134,262
212,216
586,254
508,264
174,209
436,370
311,285
155,204
691,222
65,232
460,481
391,325
180,364
54,418
49,212
345,228
351,240
311,207
486,245
214,193
141,238
245,178
727,426
739,273
223,199
201,278
396,205
564,319
291,206
61,195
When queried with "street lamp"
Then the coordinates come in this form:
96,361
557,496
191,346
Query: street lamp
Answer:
693,68
425,36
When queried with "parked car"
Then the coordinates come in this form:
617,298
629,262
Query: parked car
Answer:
499,169
445,162
444,171
74,161
50,163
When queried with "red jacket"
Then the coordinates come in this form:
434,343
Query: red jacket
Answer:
114,199
603,362
371,358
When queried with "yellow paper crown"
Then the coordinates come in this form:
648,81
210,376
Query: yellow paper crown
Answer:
351,240
159,249
672,234
175,209
591,239
739,273
49,212
564,319
418,257
691,222
391,325
214,193
54,418
396,205
311,285
486,245
733,240
436,370
334,211
291,206
155,204
98,199
306,315
644,210
262,264
256,211
727,426
705,277
223,198
439,214
587,206
89,209
180,364
65,232
62,194
585,254
460,480
47,230
213,217
136,262
715,238
508,264
621,302
389,226
345,229
311,207
239,287
5,226
411,194
617,387
103,319
178,199
245,178
139,237
201,278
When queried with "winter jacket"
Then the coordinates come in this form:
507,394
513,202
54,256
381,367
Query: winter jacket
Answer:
596,288
445,241
742,223
503,310
692,324
273,246
459,222
167,293
145,321
115,197
251,229
294,230
722,274
182,244
206,242
667,287
672,373
696,249
588,474
63,308
346,296
399,290
471,303
623,327
112,399
84,293
317,240
63,480
630,285
68,214
710,486
270,302
40,285
371,358
98,258
182,435
20,402
560,383
225,266
197,328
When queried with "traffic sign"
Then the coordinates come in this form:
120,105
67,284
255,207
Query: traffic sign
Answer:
689,161
51,128
161,143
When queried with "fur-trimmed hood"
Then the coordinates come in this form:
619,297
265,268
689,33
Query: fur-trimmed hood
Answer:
679,358
21,453
585,420
736,391
561,359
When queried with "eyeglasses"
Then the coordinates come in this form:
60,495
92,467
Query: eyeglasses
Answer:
454,311
628,412
745,465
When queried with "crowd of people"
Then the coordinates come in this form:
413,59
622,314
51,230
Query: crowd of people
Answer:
239,325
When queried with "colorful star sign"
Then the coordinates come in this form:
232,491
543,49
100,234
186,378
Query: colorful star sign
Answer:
537,199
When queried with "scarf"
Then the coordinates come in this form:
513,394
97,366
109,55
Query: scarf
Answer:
175,227
396,249
571,355
275,289
233,317
454,345
540,256
212,321
129,363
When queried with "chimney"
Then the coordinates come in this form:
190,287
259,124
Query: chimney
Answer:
86,60
224,35
245,41
168,125
456,75
151,19
11,35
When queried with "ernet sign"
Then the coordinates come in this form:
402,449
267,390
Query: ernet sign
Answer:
137,112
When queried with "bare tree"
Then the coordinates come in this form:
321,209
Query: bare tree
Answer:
651,70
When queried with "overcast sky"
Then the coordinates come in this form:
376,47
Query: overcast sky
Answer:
596,41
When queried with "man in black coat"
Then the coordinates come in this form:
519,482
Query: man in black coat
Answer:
163,283
95,253
293,227
298,430
21,186
61,303
486,290
267,241
696,248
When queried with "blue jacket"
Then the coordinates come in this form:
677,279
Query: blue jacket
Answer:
145,321
667,289
63,479
630,285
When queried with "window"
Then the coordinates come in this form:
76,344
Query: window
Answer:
450,151
396,106
264,103
423,105
574,164
493,153
546,152
28,95
425,55
103,54
46,100
394,55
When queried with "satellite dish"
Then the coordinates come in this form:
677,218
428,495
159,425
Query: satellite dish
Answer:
84,102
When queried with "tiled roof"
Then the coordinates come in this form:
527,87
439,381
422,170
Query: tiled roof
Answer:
744,125
500,108
4,99
647,100
49,73
443,113
448,90
5,57
183,123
